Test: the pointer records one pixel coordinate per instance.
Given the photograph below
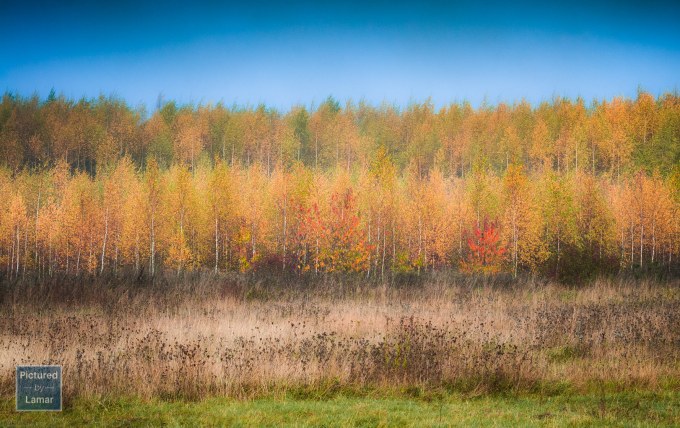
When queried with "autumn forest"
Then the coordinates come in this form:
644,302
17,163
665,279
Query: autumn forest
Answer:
562,189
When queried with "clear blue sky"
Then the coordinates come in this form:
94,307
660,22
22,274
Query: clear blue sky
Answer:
287,53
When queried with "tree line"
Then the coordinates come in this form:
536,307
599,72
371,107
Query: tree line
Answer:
564,189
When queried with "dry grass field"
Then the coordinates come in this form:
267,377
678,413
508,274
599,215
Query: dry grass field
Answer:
223,338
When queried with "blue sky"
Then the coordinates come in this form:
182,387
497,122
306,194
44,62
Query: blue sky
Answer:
300,52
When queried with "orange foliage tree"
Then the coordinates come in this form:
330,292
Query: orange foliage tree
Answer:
93,187
346,249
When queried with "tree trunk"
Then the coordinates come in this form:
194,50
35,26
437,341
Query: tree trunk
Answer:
285,227
106,236
217,246
153,246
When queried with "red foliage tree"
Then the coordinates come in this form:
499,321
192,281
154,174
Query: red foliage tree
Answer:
332,243
346,248
486,252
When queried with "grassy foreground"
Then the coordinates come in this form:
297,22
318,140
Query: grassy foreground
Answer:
613,409
445,352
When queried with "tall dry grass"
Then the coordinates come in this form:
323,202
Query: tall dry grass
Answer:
219,336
